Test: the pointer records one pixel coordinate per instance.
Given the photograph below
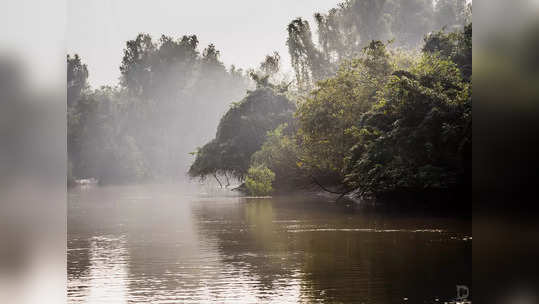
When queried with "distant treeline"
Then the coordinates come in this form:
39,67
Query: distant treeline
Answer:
168,100
366,111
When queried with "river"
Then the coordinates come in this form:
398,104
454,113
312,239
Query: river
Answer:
179,244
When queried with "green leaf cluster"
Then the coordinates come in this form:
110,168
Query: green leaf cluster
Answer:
378,126
259,181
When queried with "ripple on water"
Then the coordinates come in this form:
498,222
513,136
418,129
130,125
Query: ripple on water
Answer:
171,248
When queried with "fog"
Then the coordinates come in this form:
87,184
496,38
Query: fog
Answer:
33,158
170,98
172,86
245,31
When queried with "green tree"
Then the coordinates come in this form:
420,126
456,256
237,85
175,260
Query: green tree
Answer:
308,61
175,95
78,110
418,134
259,181
346,29
280,154
328,119
77,78
241,132
456,46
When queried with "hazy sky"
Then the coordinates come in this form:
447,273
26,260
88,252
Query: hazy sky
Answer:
32,35
243,30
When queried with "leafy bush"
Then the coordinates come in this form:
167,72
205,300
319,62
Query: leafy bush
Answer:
259,181
418,134
280,154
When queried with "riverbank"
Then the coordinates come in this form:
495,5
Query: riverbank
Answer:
450,202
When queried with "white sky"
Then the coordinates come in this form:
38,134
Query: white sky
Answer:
243,30
32,35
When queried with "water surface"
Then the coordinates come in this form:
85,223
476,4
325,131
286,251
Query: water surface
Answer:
170,244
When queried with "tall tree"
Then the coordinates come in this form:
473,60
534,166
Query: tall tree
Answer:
77,78
169,99
345,30
308,61
328,118
241,132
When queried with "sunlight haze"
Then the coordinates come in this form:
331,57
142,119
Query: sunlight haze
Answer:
243,30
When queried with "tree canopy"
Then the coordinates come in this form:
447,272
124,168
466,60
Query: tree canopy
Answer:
241,132
345,30
381,102
385,122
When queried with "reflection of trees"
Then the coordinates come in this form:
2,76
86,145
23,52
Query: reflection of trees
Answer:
166,260
268,243
151,235
380,265
258,249
249,239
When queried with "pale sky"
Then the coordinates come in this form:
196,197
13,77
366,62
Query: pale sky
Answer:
33,37
243,30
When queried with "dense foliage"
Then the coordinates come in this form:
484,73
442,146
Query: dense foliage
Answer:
279,153
386,121
328,118
241,132
418,134
259,180
345,30
455,46
381,103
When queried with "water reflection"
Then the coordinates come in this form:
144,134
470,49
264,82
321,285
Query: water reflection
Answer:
342,256
165,245
98,273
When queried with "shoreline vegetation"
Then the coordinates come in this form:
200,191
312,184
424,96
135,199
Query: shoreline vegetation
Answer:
378,110
384,128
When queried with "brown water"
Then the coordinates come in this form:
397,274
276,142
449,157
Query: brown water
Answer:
166,244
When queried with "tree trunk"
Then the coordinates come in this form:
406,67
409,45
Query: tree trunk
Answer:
215,176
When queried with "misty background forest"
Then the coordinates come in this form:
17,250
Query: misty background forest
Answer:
377,101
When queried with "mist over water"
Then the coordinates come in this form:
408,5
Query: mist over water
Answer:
143,234
240,245
168,244
173,90
179,243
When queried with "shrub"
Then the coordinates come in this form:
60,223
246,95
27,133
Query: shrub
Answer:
259,181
